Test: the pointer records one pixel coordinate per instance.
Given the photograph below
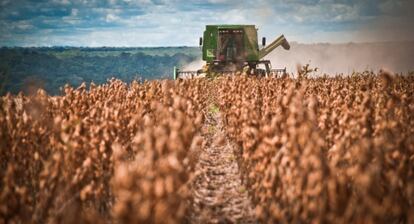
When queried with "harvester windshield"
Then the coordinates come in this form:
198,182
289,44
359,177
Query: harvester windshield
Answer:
230,45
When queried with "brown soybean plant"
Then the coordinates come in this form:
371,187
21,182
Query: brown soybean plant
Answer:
311,150
325,150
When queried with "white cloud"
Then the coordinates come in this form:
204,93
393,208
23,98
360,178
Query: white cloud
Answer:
74,12
24,25
176,22
111,18
61,2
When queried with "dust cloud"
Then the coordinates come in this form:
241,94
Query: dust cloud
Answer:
194,65
346,58
335,59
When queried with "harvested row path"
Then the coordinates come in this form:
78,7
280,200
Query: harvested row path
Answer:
218,193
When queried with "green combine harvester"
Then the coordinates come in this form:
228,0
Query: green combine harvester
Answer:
234,48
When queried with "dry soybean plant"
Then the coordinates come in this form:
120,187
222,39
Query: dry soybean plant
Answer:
312,150
325,150
113,151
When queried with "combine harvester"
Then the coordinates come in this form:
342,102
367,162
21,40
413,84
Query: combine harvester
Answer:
229,49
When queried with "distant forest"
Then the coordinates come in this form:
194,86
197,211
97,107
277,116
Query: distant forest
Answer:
52,68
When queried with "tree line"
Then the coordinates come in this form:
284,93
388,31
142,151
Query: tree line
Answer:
23,68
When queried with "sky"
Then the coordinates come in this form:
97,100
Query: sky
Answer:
131,23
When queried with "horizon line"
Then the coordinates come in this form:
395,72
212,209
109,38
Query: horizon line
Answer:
195,46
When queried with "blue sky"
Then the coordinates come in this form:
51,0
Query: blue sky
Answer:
180,22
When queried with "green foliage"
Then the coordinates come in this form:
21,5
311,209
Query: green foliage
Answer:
57,66
214,109
212,75
69,52
242,189
211,129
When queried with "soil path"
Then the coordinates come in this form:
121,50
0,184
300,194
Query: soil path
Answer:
218,193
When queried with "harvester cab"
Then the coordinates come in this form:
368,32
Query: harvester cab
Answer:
234,48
